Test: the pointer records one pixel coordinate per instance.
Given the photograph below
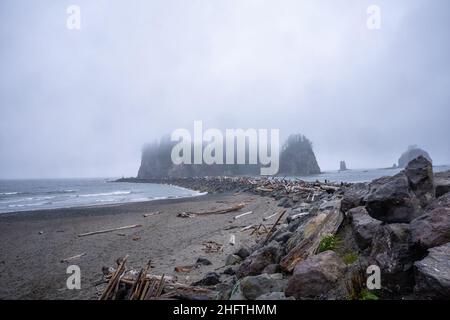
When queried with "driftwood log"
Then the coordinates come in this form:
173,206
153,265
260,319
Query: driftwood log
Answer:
221,211
109,230
326,223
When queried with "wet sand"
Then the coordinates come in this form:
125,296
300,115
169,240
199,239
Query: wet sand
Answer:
34,243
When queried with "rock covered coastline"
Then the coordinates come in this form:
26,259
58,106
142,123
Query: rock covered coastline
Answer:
331,233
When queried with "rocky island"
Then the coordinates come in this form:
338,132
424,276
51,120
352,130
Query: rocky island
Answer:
296,158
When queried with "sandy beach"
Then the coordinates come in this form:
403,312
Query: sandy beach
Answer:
34,243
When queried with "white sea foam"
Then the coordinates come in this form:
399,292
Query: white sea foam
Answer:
115,193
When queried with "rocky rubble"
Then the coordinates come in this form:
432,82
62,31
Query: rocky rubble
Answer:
332,232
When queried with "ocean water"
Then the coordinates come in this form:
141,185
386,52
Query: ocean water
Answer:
25,195
361,175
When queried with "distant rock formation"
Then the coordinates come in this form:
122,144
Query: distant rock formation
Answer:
412,153
297,157
342,166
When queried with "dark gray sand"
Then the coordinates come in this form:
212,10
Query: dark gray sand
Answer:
34,243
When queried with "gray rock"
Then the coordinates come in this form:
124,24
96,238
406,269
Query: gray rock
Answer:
391,251
431,229
261,258
354,196
409,155
420,177
272,268
243,252
393,202
315,276
210,279
442,183
203,261
254,286
274,296
432,274
364,226
229,271
284,202
232,259
442,201
282,237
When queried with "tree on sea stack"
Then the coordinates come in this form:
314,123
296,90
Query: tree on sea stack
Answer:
297,157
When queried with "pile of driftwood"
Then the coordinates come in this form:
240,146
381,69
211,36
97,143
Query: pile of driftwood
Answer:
289,192
127,284
218,211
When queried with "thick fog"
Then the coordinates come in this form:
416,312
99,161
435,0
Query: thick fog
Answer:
81,103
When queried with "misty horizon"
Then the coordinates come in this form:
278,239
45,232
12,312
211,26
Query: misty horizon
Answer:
83,103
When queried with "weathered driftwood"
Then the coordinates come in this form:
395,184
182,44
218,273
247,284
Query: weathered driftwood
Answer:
232,240
211,246
324,224
113,284
298,215
270,217
257,230
150,214
73,257
184,268
137,285
221,211
109,230
271,231
247,227
242,215
146,286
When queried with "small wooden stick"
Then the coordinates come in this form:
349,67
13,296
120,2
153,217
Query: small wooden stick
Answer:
274,226
73,257
114,279
150,214
247,227
269,217
242,214
232,239
109,230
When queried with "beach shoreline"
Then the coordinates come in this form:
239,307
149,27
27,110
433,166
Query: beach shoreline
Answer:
35,242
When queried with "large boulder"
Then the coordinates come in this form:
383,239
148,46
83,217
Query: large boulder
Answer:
260,259
412,153
432,229
364,226
316,276
432,274
254,286
442,201
420,177
274,296
442,183
393,202
391,251
210,279
354,196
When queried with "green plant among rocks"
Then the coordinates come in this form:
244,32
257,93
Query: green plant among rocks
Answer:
368,295
329,242
356,287
350,258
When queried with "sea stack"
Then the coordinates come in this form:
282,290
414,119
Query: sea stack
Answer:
342,166
412,153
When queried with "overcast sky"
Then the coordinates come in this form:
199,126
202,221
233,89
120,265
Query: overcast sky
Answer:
80,103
